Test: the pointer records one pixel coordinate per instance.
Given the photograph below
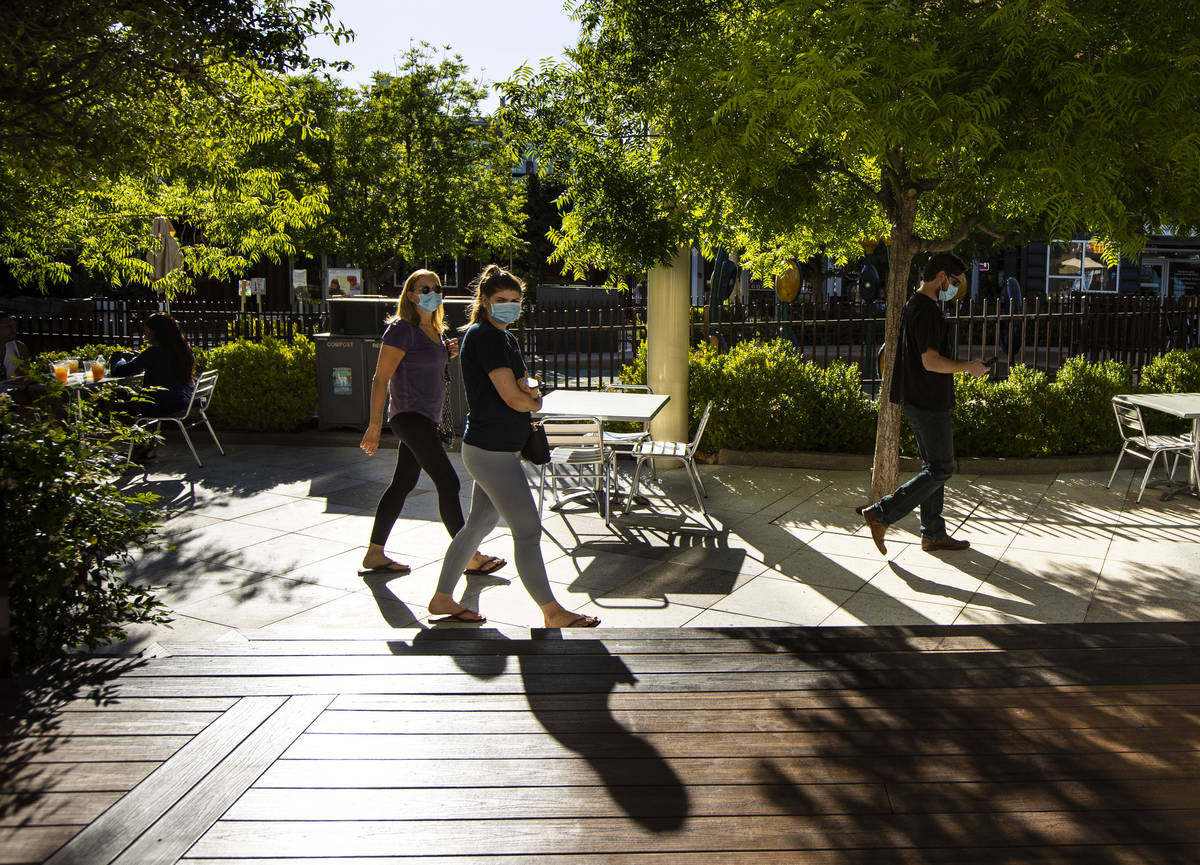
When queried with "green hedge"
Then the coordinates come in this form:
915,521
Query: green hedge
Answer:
267,386
1028,415
1173,372
767,397
264,386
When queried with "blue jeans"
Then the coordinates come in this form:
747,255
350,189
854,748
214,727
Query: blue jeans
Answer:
935,440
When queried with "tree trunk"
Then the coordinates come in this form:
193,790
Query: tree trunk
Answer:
885,473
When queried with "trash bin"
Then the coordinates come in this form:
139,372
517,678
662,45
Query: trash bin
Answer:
359,316
370,359
347,355
346,359
343,381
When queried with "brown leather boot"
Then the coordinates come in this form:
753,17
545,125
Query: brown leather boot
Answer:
877,527
945,542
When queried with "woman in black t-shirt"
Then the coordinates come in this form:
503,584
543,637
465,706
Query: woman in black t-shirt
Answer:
499,403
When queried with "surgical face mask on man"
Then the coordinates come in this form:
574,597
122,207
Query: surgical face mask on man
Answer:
949,291
506,313
429,302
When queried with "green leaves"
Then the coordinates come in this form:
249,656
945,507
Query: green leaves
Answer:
767,397
805,125
115,113
69,528
266,386
411,170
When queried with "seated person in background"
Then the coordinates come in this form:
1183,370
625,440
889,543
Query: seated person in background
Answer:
13,354
168,364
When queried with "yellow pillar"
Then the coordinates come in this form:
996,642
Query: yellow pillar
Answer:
668,303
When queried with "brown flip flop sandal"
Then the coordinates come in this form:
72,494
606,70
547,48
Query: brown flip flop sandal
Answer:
583,622
461,616
389,568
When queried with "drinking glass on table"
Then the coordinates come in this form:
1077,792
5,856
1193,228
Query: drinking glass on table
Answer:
74,364
98,369
61,370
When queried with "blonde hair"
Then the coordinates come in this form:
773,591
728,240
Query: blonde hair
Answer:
406,310
493,279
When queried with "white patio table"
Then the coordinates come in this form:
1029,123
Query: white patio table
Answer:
607,406
1184,405
604,405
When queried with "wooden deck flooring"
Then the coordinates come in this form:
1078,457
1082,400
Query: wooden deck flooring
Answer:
987,744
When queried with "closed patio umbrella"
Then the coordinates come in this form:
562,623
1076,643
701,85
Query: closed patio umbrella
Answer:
164,255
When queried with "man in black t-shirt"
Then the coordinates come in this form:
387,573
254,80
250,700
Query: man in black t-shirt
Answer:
923,385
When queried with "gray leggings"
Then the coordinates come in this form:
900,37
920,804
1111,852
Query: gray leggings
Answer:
501,490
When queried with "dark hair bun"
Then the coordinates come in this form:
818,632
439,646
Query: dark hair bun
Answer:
495,278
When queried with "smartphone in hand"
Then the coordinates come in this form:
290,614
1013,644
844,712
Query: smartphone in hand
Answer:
532,383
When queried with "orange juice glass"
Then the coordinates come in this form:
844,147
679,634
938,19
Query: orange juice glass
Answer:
97,371
74,362
61,370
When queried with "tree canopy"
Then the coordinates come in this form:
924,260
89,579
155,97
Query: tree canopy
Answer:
113,112
788,129
411,169
77,78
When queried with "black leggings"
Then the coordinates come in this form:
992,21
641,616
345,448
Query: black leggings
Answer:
420,448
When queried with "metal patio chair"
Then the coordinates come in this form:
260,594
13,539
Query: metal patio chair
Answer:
580,460
623,443
651,451
191,416
1136,441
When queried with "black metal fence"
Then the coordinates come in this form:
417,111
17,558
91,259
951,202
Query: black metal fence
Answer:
585,348
204,325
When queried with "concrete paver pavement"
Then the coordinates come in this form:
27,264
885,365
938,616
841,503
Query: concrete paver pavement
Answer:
271,537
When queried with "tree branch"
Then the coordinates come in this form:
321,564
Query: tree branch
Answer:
866,188
924,244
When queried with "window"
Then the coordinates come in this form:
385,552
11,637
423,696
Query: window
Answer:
1078,265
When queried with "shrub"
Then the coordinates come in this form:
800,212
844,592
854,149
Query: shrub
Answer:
1002,418
1081,413
1174,372
68,529
268,386
767,397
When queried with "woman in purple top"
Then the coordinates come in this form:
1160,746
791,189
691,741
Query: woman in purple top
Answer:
411,376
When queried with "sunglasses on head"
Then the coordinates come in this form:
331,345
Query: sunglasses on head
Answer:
425,289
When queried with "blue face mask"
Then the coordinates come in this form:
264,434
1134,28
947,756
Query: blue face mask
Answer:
506,313
429,302
949,292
